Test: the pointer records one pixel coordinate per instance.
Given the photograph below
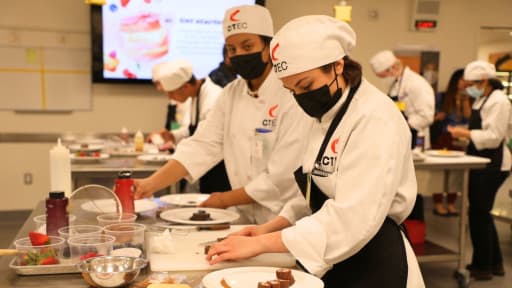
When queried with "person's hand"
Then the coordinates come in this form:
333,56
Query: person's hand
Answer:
167,135
142,188
216,200
250,231
234,248
458,132
167,146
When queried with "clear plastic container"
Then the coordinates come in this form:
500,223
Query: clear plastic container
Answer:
40,222
113,218
30,255
83,247
128,235
82,230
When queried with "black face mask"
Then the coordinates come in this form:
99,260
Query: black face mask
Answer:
317,102
249,66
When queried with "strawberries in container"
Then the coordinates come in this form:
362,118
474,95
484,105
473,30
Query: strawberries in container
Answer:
39,249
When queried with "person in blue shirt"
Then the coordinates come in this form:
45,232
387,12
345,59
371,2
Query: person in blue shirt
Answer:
453,107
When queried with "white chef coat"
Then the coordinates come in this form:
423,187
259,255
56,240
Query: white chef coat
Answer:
419,99
208,94
262,162
373,178
495,120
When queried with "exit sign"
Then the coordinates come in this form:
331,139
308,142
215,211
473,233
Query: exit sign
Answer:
425,25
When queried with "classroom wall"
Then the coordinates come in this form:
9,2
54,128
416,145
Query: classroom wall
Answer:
141,107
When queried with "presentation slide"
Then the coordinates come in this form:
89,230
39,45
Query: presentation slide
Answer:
138,34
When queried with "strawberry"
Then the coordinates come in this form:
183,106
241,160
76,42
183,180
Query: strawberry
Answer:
82,154
89,255
38,239
49,261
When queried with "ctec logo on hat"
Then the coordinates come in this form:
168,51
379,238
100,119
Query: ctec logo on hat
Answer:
236,24
272,121
233,15
278,66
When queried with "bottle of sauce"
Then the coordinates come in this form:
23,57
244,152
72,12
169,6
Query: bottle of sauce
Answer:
124,191
60,169
56,212
139,141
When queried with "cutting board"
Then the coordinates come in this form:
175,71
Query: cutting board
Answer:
189,254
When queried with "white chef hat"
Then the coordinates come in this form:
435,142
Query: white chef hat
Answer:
479,70
310,42
253,19
156,73
172,75
382,61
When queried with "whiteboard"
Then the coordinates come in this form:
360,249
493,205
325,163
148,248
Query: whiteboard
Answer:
49,76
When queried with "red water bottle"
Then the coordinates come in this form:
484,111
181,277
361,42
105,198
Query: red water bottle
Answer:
56,213
124,191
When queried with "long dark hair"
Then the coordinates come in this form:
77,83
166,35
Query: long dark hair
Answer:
451,91
352,71
496,84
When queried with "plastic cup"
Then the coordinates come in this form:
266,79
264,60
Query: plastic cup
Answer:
40,222
30,255
113,218
128,235
83,230
83,247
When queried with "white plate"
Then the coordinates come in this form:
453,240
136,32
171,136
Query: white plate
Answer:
102,156
154,158
244,277
187,199
129,150
90,147
182,215
444,153
109,206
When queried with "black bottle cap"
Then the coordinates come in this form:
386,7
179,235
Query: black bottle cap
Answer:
56,195
124,175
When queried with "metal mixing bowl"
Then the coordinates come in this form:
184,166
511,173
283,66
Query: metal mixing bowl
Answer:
111,271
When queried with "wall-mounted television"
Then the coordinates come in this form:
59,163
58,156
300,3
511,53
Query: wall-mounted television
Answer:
129,37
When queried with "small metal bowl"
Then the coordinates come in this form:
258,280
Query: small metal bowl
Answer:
111,271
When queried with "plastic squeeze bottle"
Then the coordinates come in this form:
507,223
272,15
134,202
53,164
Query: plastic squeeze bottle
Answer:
56,212
139,141
60,169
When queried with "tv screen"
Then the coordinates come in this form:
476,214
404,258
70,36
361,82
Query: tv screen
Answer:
129,37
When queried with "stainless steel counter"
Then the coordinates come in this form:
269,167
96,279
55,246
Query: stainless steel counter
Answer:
9,278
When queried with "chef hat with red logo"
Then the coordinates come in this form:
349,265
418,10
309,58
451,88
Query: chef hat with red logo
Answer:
253,19
382,61
479,70
172,75
310,42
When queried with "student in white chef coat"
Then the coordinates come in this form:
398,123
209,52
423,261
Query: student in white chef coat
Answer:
357,173
256,126
488,137
410,91
176,78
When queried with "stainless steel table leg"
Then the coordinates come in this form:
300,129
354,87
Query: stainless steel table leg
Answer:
461,269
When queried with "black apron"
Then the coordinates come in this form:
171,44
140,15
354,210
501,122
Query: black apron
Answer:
496,154
382,262
216,179
396,99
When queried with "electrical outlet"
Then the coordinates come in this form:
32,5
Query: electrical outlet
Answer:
28,178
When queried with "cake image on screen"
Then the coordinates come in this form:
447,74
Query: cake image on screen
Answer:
143,37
